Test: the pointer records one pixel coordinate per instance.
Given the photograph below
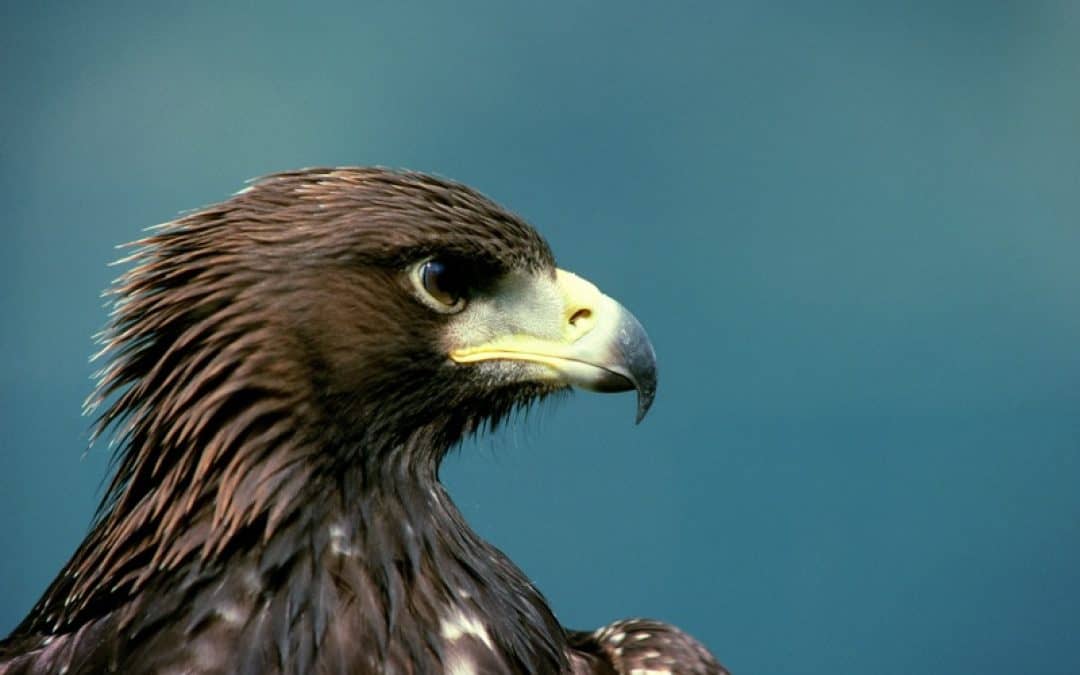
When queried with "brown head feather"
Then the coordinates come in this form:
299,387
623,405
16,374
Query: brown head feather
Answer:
219,350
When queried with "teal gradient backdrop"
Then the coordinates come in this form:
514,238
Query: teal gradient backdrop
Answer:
851,228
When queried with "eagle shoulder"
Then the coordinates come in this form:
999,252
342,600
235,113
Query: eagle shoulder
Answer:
642,647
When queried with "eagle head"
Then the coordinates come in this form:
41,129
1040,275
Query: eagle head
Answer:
376,311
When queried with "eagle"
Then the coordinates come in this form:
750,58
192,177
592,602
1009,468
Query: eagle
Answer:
284,372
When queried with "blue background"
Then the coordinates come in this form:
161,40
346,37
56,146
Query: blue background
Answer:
851,228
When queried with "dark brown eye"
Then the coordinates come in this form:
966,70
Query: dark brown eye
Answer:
441,285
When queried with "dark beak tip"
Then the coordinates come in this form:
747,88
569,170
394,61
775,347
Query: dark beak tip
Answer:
639,359
641,412
645,396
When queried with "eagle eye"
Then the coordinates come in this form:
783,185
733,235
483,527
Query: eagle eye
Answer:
441,284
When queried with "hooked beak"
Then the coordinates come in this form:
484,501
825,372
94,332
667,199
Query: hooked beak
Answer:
567,331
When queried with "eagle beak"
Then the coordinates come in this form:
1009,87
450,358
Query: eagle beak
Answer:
569,332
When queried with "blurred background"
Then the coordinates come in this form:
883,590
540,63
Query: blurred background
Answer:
852,230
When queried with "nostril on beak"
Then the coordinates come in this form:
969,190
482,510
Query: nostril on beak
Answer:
580,316
581,322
